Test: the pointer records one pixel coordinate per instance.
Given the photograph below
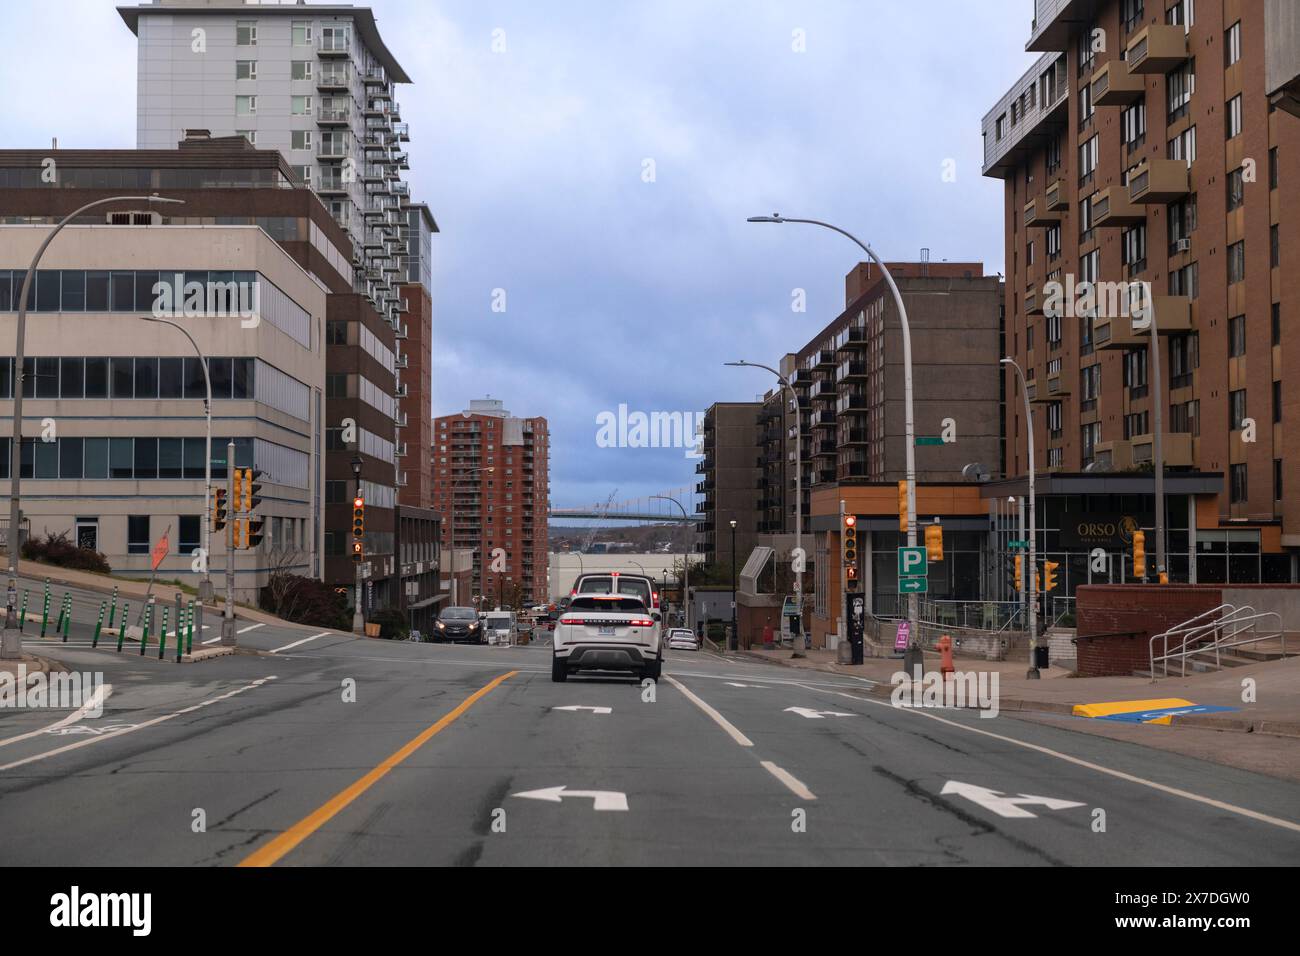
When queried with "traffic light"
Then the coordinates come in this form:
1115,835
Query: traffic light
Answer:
219,509
247,501
253,531
358,550
1020,572
902,506
934,541
1139,554
239,489
1049,574
850,543
358,518
237,533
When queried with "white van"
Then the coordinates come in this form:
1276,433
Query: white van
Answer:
500,627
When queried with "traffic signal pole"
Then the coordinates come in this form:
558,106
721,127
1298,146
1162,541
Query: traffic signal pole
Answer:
228,616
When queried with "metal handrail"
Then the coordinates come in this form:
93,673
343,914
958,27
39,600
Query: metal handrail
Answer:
1223,632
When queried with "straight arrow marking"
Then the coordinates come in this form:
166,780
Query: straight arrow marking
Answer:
601,799
594,710
1003,805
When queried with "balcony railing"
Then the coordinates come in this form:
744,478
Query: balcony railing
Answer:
334,44
1157,48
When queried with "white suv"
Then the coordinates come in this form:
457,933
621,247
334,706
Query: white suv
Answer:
606,632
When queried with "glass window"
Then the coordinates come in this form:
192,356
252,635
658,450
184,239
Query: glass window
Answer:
189,534
47,290
96,458
123,290
146,458
219,372
47,459
70,450
170,457
96,377
72,377
6,378
97,297
47,377
194,385
1237,336
146,377
194,448
171,373
145,297
73,284
120,458
137,534
123,377
242,378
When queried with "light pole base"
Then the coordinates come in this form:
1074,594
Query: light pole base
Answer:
913,658
207,593
1032,674
11,646
227,632
358,624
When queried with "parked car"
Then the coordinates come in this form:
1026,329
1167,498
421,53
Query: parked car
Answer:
608,632
682,639
458,625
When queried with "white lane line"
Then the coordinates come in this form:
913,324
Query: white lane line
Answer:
1080,762
794,785
97,699
134,727
251,627
717,718
213,640
303,641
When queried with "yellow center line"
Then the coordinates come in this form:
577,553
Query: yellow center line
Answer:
274,851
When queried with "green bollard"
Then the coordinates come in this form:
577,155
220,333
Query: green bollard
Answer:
162,635
45,614
67,620
189,628
148,619
22,621
112,611
99,625
126,616
63,612
180,637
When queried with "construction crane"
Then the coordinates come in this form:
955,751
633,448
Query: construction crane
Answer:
591,535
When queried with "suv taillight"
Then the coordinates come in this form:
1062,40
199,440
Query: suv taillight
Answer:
641,623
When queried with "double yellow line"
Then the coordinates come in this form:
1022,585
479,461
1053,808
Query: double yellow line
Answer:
273,852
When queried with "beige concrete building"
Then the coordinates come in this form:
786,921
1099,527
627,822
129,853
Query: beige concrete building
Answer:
113,411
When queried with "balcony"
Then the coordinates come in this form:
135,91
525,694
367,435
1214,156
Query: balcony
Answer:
824,449
402,131
1114,85
1033,302
1037,213
1116,334
1111,207
332,186
855,436
1173,314
333,116
851,370
1157,48
332,147
336,79
334,44
1056,198
1176,448
1159,181
375,76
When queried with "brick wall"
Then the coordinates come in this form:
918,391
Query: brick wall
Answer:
1145,610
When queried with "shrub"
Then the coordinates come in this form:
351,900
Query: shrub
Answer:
304,600
56,549
393,623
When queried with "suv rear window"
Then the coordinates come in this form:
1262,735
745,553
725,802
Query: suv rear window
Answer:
604,584
627,605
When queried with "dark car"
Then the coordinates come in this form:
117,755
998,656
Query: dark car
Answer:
458,625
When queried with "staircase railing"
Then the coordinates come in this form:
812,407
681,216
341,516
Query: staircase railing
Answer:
1205,634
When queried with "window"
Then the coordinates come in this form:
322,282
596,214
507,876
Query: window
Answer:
1054,418
248,134
1237,474
1233,108
1136,424
1236,189
1232,44
1236,409
1086,109
1131,14
1276,319
1085,215
137,534
1274,249
1135,371
245,105
1237,336
301,32
1135,248
1277,402
189,534
300,139
1182,222
1184,357
245,69
245,33
1089,387
1134,125
1183,146
1272,168
1236,262
1029,253
1087,159
300,70
1180,84
1185,281
1182,13
1053,242
1089,437
1053,154
300,105
1277,479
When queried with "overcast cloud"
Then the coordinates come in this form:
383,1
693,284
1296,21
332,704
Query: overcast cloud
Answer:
620,290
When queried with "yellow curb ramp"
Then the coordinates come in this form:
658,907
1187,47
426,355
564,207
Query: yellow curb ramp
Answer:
1106,709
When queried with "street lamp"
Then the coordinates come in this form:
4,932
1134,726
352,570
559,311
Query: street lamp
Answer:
798,496
914,655
1032,571
11,643
686,562
358,617
205,586
735,635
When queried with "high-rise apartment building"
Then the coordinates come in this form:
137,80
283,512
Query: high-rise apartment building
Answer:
731,478
491,484
415,365
1148,173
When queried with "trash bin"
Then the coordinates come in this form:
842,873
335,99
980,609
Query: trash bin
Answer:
1040,657
844,652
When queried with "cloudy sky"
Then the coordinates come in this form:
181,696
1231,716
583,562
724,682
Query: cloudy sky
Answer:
599,170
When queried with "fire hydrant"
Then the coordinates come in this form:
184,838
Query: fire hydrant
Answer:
767,635
944,644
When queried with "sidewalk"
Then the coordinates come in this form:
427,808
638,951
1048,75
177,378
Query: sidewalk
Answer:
1276,709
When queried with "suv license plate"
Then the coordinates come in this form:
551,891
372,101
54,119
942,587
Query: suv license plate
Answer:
606,631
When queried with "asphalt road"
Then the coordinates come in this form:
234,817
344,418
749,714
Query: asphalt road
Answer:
345,751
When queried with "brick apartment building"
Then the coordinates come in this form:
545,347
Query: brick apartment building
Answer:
491,484
1144,147
730,482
